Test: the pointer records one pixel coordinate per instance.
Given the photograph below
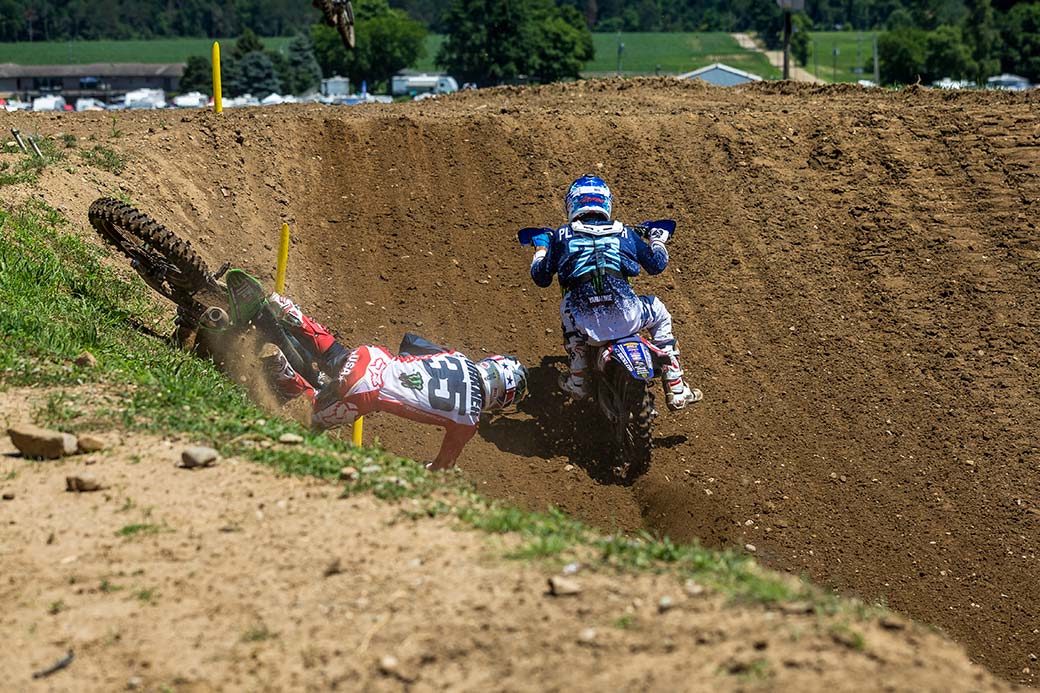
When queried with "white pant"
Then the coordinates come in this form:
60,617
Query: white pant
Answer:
582,325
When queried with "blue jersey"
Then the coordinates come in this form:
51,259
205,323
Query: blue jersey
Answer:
597,252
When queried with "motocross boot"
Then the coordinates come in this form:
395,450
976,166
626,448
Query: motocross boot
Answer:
573,385
677,394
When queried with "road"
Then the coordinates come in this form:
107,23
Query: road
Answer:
776,59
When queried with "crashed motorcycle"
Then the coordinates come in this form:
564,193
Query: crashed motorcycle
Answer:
171,267
620,377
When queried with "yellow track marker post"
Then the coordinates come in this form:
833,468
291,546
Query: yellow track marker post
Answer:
218,101
279,287
283,260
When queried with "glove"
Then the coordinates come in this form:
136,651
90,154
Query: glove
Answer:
542,240
658,236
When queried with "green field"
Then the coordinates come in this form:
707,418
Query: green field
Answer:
647,53
174,50
644,53
855,51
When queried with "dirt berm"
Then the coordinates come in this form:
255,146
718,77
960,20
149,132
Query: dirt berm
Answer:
855,282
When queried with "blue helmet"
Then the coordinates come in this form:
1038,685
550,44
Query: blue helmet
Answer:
588,195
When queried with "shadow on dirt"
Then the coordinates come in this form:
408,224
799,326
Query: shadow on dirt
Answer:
558,427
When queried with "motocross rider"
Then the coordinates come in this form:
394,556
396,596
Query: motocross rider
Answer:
425,383
593,256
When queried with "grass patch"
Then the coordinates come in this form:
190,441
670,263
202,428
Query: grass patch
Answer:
258,634
108,587
146,596
28,167
57,607
625,622
138,529
104,158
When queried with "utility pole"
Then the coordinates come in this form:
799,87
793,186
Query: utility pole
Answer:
620,50
789,6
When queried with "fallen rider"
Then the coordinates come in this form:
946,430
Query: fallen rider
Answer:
424,383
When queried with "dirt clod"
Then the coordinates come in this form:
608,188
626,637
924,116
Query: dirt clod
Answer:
86,360
82,483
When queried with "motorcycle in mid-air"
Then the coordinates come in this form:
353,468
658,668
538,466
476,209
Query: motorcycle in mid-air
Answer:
621,373
340,15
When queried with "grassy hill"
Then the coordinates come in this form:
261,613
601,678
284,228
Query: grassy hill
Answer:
171,50
644,53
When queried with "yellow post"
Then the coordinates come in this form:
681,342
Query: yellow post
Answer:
283,259
359,424
218,102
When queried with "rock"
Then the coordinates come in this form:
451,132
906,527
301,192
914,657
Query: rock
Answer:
587,636
290,439
665,604
198,456
890,622
750,547
389,665
333,568
82,483
693,588
370,469
8,495
348,474
90,443
134,682
86,360
41,443
561,586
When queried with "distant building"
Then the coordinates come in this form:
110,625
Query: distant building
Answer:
95,80
721,75
1009,82
411,83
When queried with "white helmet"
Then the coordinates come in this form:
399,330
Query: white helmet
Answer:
505,381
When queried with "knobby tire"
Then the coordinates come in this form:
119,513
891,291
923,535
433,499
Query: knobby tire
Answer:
166,262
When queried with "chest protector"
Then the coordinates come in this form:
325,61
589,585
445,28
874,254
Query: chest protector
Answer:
593,253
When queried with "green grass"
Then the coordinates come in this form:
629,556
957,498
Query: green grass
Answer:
646,53
138,529
104,158
855,52
258,633
174,50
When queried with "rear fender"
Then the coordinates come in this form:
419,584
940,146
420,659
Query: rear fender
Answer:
634,353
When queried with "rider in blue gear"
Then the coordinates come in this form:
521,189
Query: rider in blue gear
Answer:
592,257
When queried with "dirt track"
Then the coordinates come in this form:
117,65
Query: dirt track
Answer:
855,287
